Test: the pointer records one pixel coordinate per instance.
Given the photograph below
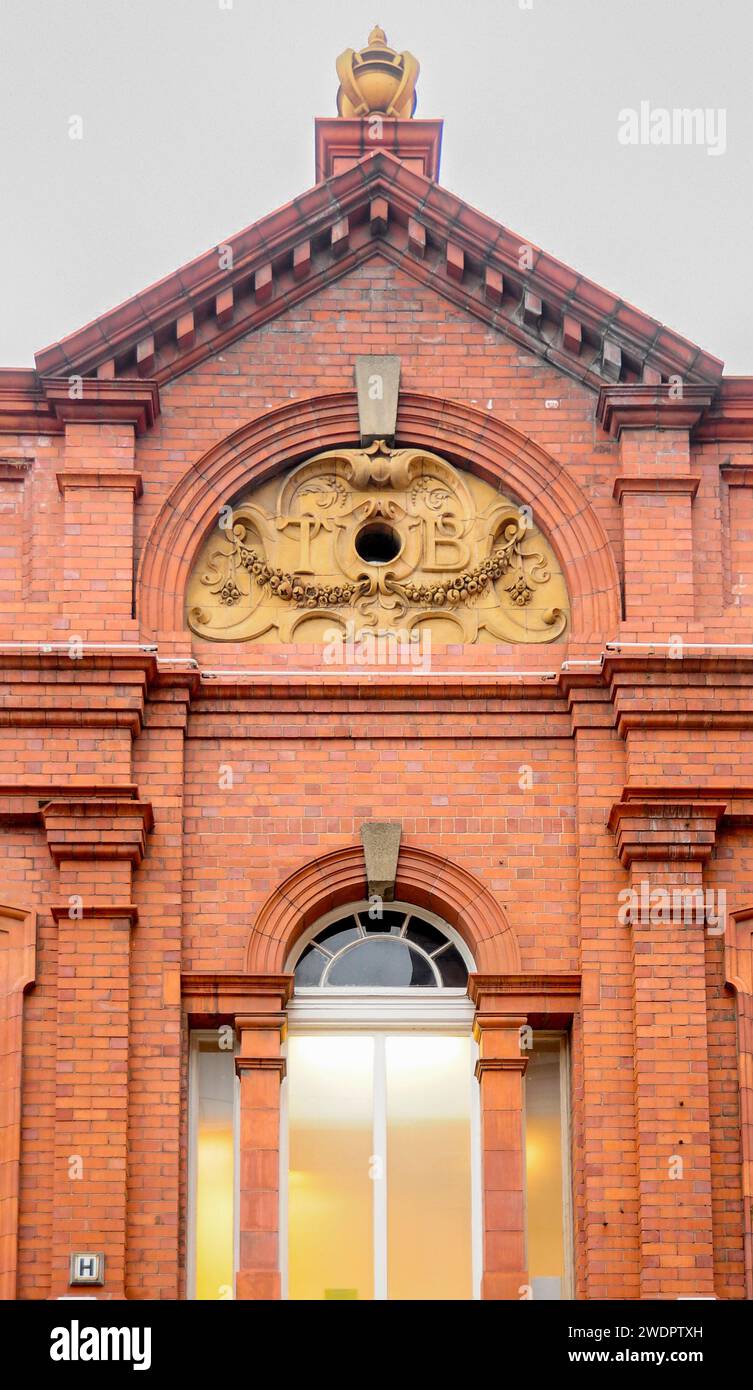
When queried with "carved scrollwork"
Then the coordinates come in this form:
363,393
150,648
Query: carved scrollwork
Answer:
375,536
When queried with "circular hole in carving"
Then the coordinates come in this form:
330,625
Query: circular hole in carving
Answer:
377,543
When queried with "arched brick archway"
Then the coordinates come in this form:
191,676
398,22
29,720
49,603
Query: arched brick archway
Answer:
423,878
468,437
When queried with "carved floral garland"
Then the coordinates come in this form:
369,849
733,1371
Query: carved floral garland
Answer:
451,591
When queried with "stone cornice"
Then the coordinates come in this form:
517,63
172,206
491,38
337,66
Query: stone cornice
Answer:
67,685
511,1001
24,408
102,402
731,416
629,688
222,996
379,684
651,690
643,406
32,404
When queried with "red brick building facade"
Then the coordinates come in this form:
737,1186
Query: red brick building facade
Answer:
176,812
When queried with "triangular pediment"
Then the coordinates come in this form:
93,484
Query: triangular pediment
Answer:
379,207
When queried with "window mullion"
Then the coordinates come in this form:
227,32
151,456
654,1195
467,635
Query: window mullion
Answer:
379,1167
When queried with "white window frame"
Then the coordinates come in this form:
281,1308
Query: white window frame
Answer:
380,1020
197,1035
557,1034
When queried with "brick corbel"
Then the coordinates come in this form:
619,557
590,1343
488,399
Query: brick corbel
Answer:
126,480
260,1038
14,470
23,803
665,830
98,828
737,474
641,406
109,912
659,485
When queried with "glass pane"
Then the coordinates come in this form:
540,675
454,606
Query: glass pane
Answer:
338,934
452,968
390,922
430,938
546,1246
428,1167
310,967
214,1158
383,961
330,1188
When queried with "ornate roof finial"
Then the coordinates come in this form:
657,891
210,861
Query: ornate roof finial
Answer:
377,80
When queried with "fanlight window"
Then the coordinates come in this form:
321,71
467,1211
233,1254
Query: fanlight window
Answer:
396,950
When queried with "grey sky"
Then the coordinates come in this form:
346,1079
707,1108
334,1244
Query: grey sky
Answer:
198,119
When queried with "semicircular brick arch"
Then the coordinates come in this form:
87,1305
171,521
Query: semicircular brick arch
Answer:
424,879
467,437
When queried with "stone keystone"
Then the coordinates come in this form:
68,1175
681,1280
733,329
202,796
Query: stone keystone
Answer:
377,387
381,846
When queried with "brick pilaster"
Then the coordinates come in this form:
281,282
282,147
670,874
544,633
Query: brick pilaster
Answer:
499,1070
656,491
156,1262
101,418
657,522
664,845
261,1068
99,487
604,1168
96,844
18,932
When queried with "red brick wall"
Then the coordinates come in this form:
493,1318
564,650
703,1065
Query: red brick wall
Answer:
308,770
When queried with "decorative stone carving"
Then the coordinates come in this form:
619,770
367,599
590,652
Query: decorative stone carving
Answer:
376,79
380,540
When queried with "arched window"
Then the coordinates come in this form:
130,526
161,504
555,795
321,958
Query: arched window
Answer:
397,947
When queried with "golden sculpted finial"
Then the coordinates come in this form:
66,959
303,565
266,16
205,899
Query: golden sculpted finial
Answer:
377,80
